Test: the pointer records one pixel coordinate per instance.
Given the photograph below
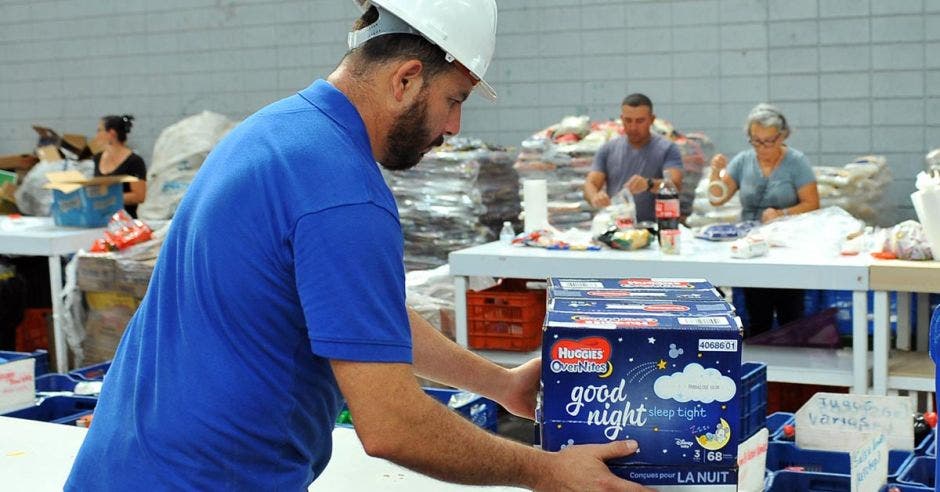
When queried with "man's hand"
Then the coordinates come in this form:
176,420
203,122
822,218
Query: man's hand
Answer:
582,469
600,200
770,215
521,389
636,184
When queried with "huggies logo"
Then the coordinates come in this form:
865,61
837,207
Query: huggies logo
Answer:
587,355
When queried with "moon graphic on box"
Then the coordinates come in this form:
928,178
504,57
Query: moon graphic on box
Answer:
609,371
718,439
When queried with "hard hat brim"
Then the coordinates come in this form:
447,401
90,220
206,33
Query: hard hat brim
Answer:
485,90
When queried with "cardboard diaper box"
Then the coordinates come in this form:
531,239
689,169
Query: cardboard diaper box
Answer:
634,288
669,379
78,201
640,306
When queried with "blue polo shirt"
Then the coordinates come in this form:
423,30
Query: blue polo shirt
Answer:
285,252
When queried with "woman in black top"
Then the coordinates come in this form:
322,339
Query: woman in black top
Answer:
117,158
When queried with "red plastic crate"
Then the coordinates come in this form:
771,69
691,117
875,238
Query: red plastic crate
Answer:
33,332
505,317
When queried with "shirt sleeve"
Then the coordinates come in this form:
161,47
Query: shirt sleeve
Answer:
803,174
673,158
350,278
135,166
600,159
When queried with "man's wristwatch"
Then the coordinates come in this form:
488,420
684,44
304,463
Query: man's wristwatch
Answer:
649,184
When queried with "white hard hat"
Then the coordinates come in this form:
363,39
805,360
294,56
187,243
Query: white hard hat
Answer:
464,29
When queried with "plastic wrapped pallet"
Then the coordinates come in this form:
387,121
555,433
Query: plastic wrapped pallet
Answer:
562,155
177,154
697,150
457,197
858,187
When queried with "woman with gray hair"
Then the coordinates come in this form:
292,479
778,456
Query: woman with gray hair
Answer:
775,181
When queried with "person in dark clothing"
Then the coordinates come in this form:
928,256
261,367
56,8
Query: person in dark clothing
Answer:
118,158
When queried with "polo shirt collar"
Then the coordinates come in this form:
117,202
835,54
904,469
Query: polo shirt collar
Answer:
334,104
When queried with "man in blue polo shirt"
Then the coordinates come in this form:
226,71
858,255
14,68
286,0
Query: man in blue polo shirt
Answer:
279,293
636,163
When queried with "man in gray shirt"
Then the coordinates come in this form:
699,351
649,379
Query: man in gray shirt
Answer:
636,163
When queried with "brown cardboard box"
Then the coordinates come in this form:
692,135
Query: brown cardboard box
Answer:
108,315
18,162
72,145
133,276
96,272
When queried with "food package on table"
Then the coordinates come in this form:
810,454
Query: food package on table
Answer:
724,231
625,239
620,214
907,241
750,247
123,231
552,238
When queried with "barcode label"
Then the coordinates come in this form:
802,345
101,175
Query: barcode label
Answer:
573,284
705,321
705,345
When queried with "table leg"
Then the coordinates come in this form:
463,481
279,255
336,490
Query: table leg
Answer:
460,309
880,345
860,342
904,321
58,333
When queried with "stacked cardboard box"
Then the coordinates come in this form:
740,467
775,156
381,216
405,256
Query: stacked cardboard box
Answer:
654,360
113,286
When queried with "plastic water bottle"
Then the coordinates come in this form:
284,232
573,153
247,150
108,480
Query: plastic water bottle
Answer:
667,216
507,234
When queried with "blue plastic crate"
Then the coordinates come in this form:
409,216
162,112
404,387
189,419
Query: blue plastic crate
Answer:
753,398
775,423
927,445
812,302
899,487
93,372
41,356
781,455
55,382
481,411
737,300
919,472
842,300
792,481
58,409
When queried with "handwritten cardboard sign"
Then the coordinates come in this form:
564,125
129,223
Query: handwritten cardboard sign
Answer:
17,384
839,422
752,461
870,464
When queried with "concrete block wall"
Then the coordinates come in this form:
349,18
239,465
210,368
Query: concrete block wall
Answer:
853,76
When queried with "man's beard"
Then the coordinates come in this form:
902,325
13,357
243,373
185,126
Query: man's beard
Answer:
408,137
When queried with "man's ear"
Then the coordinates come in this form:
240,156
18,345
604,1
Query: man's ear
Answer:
407,80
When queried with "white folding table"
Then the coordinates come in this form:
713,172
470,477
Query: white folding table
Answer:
37,457
39,236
